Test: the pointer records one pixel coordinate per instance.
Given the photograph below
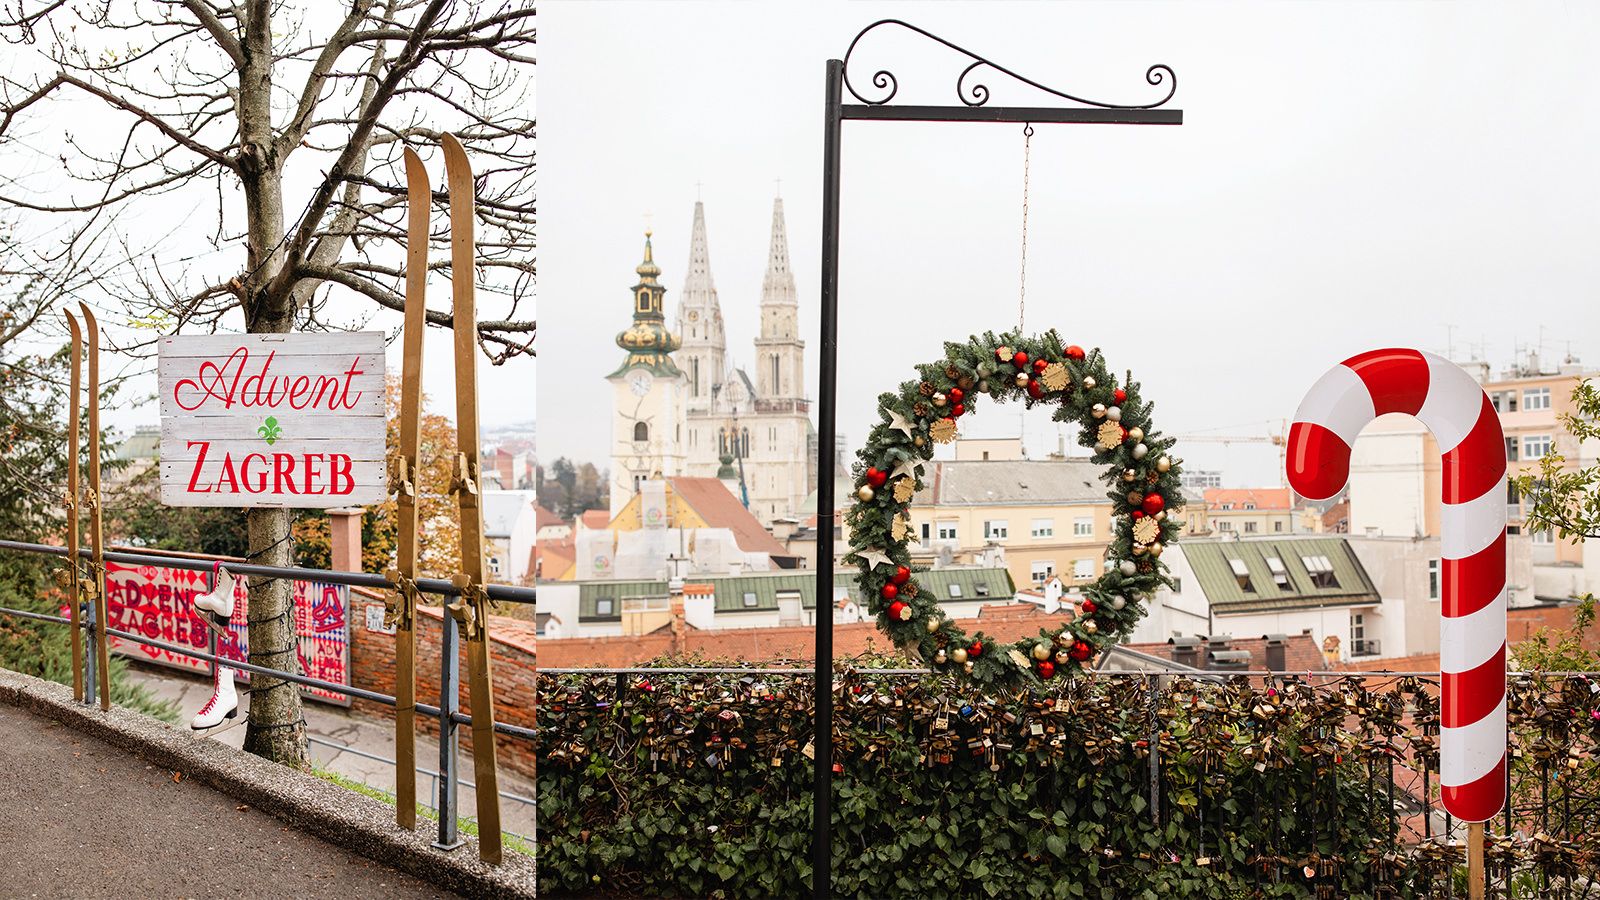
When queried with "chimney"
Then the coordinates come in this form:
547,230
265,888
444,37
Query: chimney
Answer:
1276,647
680,627
1185,651
1220,656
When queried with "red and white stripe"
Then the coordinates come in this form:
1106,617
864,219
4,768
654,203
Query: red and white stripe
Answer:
1472,630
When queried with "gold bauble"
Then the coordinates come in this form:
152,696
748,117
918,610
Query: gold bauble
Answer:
1064,638
1098,410
918,440
1091,627
1129,475
865,493
1022,379
959,654
1163,464
1089,382
933,624
939,399
939,656
967,667
1155,549
1063,657
1138,549
1041,651
1136,434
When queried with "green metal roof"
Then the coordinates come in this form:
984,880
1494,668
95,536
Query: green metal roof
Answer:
1213,565
973,584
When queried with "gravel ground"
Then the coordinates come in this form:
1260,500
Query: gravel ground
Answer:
83,819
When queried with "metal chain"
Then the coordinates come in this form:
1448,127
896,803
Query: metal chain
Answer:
1022,294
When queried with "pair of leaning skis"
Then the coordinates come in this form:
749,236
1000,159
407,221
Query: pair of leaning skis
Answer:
469,611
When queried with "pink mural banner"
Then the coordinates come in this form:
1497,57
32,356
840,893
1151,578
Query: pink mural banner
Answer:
158,602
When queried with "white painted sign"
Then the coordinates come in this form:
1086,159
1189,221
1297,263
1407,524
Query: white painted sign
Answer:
273,420
375,613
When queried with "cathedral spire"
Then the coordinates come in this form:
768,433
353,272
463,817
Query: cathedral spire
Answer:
700,320
778,285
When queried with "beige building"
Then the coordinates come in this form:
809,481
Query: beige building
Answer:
1250,512
1038,518
1531,405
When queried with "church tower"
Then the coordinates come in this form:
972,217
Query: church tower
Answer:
700,322
780,354
647,406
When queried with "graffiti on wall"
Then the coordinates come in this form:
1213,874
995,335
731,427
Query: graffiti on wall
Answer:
157,602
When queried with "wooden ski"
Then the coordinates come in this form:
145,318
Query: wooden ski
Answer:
402,605
472,607
92,500
74,571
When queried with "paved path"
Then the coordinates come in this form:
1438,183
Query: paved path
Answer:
336,725
83,819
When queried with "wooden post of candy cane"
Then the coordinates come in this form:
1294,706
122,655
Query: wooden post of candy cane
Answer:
1472,626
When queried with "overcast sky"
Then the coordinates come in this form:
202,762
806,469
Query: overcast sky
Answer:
1347,177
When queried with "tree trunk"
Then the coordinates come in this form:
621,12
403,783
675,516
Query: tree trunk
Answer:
277,726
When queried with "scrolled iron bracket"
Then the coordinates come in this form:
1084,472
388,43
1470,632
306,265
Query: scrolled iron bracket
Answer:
975,93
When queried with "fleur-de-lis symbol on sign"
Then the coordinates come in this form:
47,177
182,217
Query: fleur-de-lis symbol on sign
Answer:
270,431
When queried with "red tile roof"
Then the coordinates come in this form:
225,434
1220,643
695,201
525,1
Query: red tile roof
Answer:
543,517
711,499
595,518
1263,498
558,557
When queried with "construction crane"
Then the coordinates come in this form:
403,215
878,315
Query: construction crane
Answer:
1279,440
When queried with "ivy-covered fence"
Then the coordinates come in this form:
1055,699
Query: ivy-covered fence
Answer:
697,784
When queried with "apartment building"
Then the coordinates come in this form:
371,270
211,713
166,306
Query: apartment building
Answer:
1249,511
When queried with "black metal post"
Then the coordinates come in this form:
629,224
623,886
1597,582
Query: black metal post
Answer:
449,740
827,386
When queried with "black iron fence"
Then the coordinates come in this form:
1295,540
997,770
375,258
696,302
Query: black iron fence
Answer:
1183,783
448,713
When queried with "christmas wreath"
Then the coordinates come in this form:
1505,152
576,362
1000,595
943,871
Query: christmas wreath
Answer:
1114,422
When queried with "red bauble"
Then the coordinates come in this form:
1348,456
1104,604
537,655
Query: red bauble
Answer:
1039,365
889,592
1120,395
1080,651
958,410
1153,504
900,611
976,649
1020,360
1034,390
1074,353
955,394
902,575
1047,669
1089,607
1136,515
876,477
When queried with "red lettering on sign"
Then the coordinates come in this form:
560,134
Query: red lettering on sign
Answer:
283,473
260,483
228,385
194,478
312,460
339,468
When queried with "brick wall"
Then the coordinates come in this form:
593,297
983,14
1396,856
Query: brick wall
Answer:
512,659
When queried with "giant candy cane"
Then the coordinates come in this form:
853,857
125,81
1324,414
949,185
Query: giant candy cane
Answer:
1472,630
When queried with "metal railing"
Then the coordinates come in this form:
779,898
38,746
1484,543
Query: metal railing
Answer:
450,718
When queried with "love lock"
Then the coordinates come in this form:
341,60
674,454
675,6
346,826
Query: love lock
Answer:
470,608
400,604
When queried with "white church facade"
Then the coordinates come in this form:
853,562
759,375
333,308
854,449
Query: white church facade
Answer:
680,407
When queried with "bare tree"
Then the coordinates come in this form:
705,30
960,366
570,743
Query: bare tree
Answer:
246,156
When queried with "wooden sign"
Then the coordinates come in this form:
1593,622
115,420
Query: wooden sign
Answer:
273,420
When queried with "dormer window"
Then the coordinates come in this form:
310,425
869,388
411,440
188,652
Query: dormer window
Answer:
1242,575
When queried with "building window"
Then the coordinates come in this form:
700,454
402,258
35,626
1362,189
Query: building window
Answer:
1277,526
604,606
494,565
1083,527
641,432
947,531
1280,575
927,531
1321,570
775,388
1249,506
1224,525
1504,401
1358,634
1433,579
1513,495
1226,507
749,599
694,377
1536,398
1511,449
1250,527
955,591
1541,537
1177,587
1043,528
1241,574
1535,446
995,529
981,589
1041,572
1083,569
